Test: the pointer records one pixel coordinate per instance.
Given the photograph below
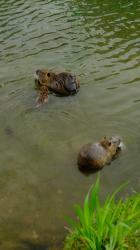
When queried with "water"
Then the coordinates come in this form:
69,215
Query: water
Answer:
39,178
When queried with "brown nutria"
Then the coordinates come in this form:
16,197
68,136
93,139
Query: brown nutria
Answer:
94,156
63,83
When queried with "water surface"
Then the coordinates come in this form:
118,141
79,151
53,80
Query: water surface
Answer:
39,179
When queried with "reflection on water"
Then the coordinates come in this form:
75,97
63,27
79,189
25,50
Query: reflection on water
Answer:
39,178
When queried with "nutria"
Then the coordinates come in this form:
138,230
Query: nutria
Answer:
94,156
63,83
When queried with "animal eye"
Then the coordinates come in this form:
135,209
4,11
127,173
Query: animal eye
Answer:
109,144
48,74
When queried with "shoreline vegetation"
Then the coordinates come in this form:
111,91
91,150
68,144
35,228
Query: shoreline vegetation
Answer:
115,225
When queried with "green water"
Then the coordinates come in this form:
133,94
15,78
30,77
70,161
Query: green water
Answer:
39,179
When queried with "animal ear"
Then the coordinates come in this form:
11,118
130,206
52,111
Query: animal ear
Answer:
48,74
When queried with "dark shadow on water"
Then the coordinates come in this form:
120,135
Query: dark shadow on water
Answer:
29,245
9,131
34,246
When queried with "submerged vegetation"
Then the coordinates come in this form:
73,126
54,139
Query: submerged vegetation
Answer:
113,225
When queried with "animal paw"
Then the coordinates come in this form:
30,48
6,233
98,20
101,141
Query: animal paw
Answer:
41,100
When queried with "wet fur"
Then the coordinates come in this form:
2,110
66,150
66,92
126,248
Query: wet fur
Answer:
93,156
63,84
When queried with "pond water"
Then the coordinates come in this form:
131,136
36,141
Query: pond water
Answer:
39,179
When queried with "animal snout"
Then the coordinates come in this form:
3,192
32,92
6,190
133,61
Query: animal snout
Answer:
37,74
37,71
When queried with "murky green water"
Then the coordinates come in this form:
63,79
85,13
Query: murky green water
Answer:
39,179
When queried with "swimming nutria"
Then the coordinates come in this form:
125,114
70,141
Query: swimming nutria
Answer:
63,83
94,156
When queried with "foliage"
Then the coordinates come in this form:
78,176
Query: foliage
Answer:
115,225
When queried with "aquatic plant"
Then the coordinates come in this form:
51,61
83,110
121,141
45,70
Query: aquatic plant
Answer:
113,225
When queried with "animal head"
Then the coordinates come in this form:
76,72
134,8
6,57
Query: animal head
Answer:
116,141
105,142
112,144
42,77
